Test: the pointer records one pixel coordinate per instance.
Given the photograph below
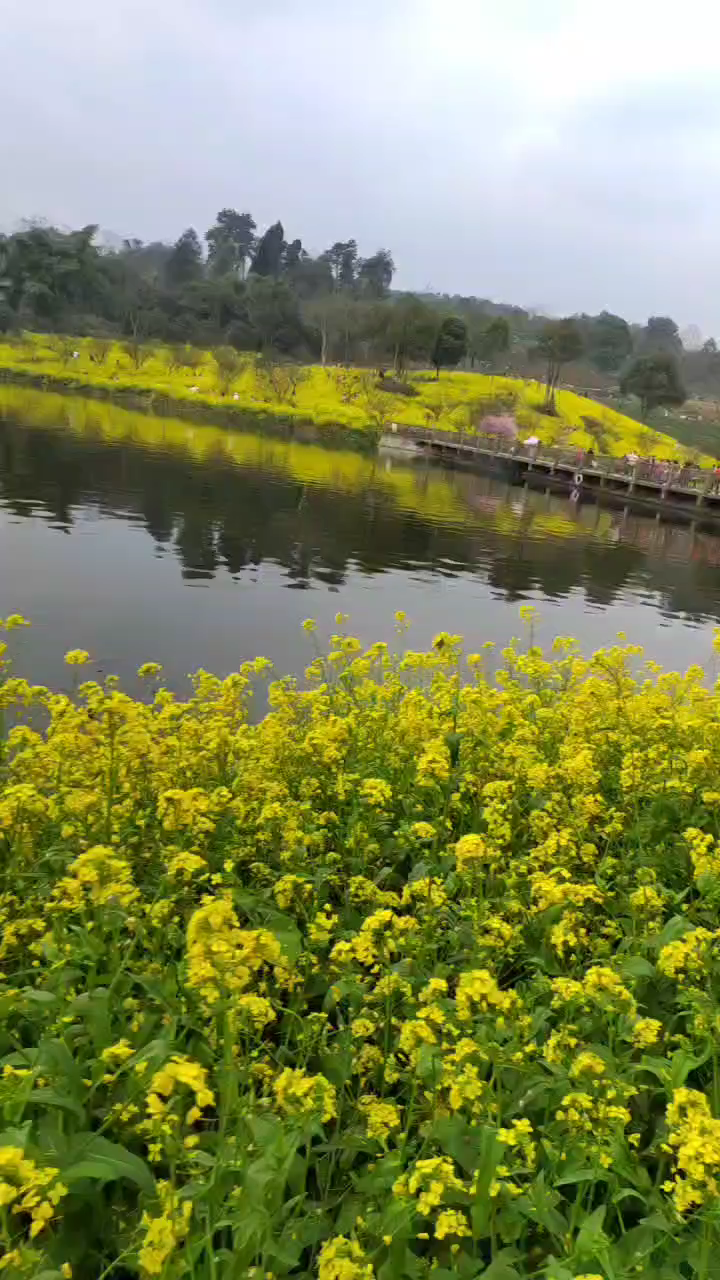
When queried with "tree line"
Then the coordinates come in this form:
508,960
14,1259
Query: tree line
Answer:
254,290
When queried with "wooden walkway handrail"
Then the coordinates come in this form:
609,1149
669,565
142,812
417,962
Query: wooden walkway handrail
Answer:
657,472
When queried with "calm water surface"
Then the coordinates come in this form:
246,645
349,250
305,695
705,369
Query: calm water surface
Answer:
140,538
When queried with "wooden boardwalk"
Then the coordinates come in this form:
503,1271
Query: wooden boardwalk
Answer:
646,482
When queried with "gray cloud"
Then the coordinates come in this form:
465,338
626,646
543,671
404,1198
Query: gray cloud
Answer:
529,154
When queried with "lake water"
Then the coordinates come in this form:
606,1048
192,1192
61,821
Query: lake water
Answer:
141,538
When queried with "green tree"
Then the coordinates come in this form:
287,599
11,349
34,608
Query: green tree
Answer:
293,255
231,241
311,277
375,274
334,317
494,340
273,315
450,344
47,273
655,380
228,367
342,259
268,257
662,336
185,263
560,342
411,326
183,356
609,341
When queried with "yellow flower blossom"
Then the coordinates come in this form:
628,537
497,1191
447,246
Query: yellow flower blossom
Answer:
164,1232
694,1136
451,1222
300,1094
343,1259
381,1117
429,1182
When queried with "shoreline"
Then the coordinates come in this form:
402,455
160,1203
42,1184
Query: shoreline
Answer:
335,405
200,410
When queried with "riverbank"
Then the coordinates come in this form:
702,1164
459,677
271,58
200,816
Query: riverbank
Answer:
411,976
433,497
330,401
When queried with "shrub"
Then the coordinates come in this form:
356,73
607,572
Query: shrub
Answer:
228,367
137,352
280,379
98,350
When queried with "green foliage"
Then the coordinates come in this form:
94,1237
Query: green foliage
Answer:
98,350
280,379
450,344
228,367
342,260
185,262
661,337
65,348
379,406
138,353
493,340
410,326
272,317
655,380
375,273
609,342
269,252
231,242
180,356
560,342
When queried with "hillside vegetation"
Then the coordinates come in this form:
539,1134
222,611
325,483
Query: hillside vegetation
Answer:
432,497
329,397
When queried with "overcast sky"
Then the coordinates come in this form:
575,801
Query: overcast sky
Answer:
555,152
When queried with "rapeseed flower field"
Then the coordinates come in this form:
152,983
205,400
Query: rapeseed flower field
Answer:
329,398
416,976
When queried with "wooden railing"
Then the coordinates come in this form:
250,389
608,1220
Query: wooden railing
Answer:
582,460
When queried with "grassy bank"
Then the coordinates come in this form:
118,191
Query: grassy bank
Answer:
433,495
414,977
326,398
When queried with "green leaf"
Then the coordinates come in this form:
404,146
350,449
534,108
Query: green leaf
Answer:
675,928
633,1247
556,1272
571,1176
539,1206
470,1146
104,1161
39,997
50,1098
591,1239
659,1222
637,967
15,1137
500,1269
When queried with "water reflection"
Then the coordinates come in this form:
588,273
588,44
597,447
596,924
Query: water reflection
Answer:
239,509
